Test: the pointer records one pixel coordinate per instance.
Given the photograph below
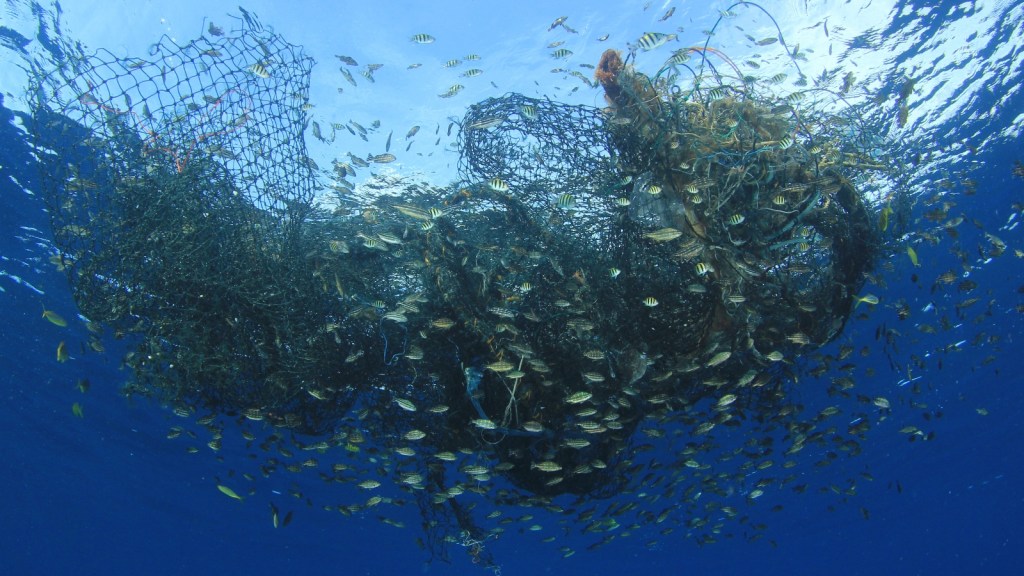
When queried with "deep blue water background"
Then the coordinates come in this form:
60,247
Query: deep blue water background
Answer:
108,494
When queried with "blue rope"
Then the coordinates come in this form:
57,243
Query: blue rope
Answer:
405,342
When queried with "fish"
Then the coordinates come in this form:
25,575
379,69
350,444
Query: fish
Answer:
562,53
228,492
475,470
484,424
452,63
546,466
799,338
718,359
316,132
664,234
603,38
395,316
54,318
259,70
442,323
452,91
503,312
577,443
472,73
529,111
566,201
411,478
412,211
716,93
76,409
768,40
578,397
348,76
348,60
913,256
498,185
651,40
381,158
485,123
414,435
405,404
412,132
62,352
422,38
848,81
558,22
650,302
867,299
500,366
532,426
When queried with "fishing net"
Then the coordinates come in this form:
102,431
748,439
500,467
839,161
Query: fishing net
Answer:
186,220
674,247
665,258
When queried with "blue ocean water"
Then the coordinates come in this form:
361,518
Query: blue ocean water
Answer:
107,493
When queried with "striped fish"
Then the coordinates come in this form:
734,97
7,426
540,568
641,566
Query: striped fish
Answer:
652,40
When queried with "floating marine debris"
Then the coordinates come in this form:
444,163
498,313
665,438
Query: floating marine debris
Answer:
596,279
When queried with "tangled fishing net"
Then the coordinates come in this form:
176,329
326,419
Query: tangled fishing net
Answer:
664,259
